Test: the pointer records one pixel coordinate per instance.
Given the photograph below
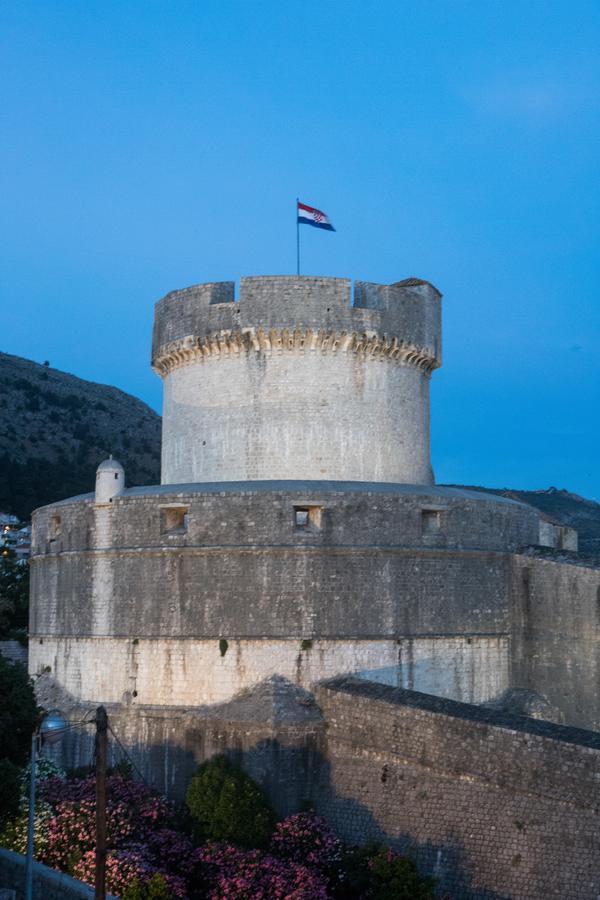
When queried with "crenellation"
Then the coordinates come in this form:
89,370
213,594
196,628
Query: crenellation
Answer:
408,314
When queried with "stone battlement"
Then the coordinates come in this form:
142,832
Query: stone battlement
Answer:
199,320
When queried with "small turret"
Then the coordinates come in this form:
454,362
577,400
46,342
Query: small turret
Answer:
110,480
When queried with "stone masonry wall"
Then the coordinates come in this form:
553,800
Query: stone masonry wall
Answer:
181,673
412,313
293,382
495,806
556,635
257,415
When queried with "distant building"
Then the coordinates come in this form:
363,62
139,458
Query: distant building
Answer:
15,536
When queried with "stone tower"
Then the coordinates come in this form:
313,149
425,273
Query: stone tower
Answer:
297,380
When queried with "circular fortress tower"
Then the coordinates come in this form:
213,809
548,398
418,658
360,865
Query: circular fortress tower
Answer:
297,380
297,531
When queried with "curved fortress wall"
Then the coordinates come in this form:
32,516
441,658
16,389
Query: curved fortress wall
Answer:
294,382
302,580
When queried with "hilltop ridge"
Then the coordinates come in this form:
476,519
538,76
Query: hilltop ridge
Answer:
561,506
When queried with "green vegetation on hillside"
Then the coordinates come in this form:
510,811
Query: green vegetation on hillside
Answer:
14,596
55,429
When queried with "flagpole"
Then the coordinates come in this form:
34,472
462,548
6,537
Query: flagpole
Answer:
297,239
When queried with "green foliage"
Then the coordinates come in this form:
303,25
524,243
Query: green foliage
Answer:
44,768
14,833
396,878
228,805
155,889
306,644
54,432
14,594
123,769
18,712
10,790
18,718
381,874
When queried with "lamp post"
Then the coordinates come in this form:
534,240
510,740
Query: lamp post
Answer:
49,731
101,748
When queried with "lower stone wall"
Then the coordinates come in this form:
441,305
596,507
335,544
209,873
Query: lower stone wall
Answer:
556,635
196,672
495,806
275,731
492,804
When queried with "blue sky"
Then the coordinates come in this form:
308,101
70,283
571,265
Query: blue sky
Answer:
147,146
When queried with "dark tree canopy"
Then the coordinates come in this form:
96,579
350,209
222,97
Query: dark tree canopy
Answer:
14,594
18,712
228,805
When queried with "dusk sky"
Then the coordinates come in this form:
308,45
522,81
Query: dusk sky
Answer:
153,145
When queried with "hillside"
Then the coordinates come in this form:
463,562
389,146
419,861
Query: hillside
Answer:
56,428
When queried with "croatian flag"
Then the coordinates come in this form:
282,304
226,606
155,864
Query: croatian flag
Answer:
307,215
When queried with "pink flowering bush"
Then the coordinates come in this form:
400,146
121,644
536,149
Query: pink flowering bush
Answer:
307,838
140,840
234,874
148,858
123,868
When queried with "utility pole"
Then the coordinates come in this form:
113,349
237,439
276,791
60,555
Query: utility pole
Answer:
101,748
31,818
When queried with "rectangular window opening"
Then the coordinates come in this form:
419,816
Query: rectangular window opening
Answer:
431,521
173,519
307,518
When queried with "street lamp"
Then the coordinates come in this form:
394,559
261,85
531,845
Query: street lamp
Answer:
49,731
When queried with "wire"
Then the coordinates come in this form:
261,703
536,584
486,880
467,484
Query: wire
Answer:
128,757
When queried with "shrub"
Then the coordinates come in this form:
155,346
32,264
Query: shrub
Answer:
307,838
44,769
154,889
381,874
10,790
228,805
14,833
235,874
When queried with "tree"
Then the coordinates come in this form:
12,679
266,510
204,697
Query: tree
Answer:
14,593
228,805
18,719
18,712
